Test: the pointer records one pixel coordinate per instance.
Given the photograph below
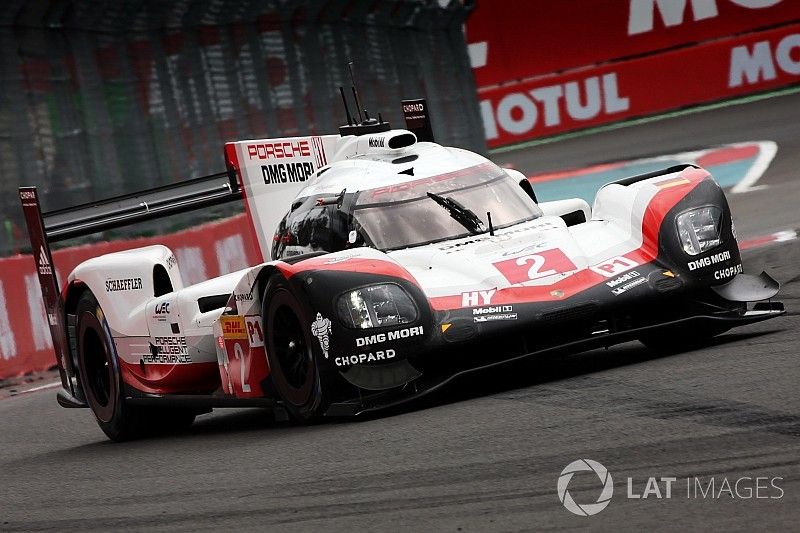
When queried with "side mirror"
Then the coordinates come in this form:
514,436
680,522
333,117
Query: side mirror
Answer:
523,182
528,188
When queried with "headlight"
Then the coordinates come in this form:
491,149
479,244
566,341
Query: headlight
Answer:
698,229
375,306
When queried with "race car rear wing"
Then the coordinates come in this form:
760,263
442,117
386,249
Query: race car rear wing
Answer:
47,228
150,204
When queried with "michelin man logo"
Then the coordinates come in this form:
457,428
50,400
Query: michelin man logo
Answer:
586,509
321,329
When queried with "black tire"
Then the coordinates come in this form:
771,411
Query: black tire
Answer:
292,353
681,338
102,384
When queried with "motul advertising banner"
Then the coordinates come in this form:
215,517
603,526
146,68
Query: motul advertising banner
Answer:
25,342
513,40
651,84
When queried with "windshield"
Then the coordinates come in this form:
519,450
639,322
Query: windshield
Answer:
403,215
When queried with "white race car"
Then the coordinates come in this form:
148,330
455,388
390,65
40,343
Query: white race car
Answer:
391,265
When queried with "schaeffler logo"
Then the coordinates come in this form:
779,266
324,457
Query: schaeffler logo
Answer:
585,509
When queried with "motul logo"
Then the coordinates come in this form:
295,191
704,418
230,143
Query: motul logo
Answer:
520,113
752,65
673,12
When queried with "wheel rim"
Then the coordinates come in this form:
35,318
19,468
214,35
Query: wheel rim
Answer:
291,348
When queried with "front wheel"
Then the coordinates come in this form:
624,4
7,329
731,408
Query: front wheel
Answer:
292,352
102,383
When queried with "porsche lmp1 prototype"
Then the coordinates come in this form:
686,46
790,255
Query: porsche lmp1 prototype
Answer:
391,265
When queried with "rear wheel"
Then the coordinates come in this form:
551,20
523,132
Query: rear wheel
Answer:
291,352
102,382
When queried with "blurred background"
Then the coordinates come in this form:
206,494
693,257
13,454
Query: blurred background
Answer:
104,97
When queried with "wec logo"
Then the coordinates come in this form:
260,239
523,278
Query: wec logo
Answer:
586,509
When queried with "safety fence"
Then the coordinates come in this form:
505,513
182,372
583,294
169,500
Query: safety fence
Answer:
544,68
100,98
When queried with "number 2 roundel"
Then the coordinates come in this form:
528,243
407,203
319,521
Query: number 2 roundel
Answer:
536,266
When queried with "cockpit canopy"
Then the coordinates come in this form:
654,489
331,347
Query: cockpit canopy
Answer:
405,214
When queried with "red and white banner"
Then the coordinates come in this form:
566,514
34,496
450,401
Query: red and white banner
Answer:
25,344
651,84
511,40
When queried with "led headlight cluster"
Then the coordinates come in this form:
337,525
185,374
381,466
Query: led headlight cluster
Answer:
699,229
386,304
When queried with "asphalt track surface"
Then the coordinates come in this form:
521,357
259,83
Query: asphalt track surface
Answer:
484,455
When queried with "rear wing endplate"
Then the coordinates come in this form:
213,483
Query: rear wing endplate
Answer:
93,217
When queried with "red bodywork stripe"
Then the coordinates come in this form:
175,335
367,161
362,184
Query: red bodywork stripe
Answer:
357,264
171,379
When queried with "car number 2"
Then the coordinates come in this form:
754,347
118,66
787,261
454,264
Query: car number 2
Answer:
535,266
238,352
537,262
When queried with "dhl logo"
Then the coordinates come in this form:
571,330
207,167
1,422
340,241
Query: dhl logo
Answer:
233,327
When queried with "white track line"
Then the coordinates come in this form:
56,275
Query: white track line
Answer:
783,236
766,153
38,388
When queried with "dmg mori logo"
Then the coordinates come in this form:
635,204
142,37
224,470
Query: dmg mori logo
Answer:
585,509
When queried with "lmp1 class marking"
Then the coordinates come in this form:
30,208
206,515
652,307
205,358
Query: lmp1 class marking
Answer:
614,266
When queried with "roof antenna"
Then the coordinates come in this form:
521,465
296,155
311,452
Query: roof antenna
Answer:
346,108
358,107
362,124
355,92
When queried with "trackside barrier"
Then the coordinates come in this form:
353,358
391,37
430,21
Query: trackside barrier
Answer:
511,40
646,85
203,252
